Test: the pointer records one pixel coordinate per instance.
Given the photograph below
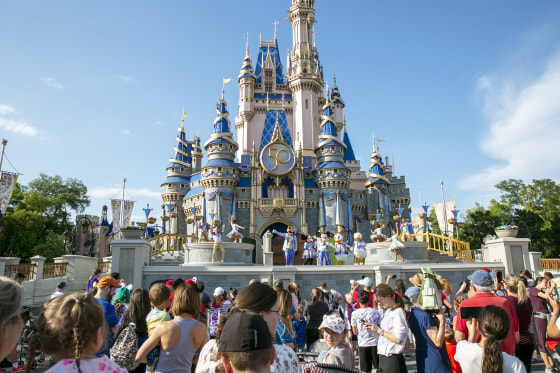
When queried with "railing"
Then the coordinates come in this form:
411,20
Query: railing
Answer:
53,270
169,242
446,245
28,270
105,267
550,265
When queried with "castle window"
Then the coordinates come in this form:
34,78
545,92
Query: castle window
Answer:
219,169
310,191
268,87
306,103
268,74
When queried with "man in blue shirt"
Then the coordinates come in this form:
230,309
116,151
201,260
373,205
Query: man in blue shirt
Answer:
106,288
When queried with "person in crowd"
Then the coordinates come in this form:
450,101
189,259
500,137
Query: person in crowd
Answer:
263,300
106,288
232,294
299,329
72,329
59,291
159,298
221,300
446,293
313,314
486,355
482,287
399,287
539,295
367,284
527,276
20,278
339,352
11,323
392,331
429,334
118,279
293,289
367,343
120,301
93,279
246,344
416,280
451,347
136,313
284,330
278,284
181,338
516,293
350,304
553,327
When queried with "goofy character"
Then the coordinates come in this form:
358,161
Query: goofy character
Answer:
340,249
360,251
290,244
323,250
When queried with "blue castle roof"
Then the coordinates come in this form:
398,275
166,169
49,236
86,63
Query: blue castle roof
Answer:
375,173
183,151
272,49
349,154
328,135
221,133
268,130
247,67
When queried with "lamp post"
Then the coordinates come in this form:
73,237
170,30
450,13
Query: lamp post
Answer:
85,224
65,238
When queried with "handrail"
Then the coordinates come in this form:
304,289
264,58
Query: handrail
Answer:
28,270
549,265
447,245
54,270
168,242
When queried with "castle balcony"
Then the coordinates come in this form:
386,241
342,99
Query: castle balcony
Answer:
288,206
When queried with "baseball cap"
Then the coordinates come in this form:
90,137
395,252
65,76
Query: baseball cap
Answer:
412,291
334,323
169,283
108,281
61,285
480,278
218,291
366,281
244,332
190,282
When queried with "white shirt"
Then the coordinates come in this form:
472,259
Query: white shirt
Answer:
366,337
394,322
469,356
57,293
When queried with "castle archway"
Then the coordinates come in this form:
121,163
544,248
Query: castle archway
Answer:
281,225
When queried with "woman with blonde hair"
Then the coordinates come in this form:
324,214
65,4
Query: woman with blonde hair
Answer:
11,323
284,330
517,295
293,289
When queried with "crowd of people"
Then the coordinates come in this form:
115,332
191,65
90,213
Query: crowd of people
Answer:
175,327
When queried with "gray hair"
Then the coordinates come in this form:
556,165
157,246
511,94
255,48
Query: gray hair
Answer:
11,300
483,289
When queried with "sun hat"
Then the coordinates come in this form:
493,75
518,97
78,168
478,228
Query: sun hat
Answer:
108,281
219,291
334,323
480,278
416,280
244,332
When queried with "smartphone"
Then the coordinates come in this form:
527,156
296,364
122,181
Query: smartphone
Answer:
395,277
469,312
499,277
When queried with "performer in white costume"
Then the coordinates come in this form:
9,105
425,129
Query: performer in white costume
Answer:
340,248
323,251
360,251
234,235
309,252
396,245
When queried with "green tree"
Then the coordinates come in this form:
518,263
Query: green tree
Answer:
479,223
37,215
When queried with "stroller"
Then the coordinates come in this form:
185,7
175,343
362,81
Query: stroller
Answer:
30,353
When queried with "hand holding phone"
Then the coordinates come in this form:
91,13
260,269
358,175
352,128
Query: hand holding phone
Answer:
469,312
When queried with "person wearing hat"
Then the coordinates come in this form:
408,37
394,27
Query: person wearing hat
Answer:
429,334
245,344
60,287
106,288
333,328
290,244
367,284
221,300
482,287
416,280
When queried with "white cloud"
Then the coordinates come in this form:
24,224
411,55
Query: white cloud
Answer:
5,109
18,127
524,134
51,82
113,192
126,79
126,132
157,123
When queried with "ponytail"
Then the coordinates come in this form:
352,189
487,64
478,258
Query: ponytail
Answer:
492,359
521,292
493,324
399,303
76,315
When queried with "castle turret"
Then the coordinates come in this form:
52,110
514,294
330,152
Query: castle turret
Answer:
338,105
378,184
220,175
246,80
331,175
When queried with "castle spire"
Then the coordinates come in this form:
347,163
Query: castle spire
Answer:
375,175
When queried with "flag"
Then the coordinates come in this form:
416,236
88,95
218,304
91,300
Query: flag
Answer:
227,80
7,184
184,113
379,140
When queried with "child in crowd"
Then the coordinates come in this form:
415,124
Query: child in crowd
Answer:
159,297
72,329
451,347
299,329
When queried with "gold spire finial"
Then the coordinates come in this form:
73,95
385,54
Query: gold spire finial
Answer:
247,45
275,23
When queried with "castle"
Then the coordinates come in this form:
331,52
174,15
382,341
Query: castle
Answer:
292,163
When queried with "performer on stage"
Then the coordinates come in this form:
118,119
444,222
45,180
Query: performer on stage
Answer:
309,252
203,227
360,251
406,230
290,244
323,251
377,235
340,248
217,232
234,235
396,245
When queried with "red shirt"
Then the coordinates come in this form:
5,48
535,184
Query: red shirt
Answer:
355,297
486,299
451,348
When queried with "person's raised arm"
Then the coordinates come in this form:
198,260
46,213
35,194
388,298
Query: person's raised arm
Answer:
437,334
552,330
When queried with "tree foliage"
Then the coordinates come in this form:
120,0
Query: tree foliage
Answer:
37,215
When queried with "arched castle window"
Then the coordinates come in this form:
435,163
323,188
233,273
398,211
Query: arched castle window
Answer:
306,103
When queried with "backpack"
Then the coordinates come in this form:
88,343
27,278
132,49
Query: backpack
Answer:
430,292
214,320
331,302
123,352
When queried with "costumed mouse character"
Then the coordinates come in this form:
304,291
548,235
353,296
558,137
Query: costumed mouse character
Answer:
290,244
309,252
323,250
359,247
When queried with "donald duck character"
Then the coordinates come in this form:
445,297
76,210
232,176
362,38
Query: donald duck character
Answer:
340,248
359,247
290,244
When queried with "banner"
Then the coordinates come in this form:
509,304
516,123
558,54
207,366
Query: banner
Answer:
7,183
127,212
116,210
444,226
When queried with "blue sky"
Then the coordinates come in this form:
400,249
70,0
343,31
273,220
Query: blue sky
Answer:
464,92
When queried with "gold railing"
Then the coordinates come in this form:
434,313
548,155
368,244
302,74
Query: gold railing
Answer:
28,271
169,242
549,265
446,245
53,270
105,267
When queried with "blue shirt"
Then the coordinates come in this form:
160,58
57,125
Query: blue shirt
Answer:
282,335
111,320
429,358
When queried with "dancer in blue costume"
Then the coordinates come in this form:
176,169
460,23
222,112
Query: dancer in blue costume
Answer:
309,252
290,244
